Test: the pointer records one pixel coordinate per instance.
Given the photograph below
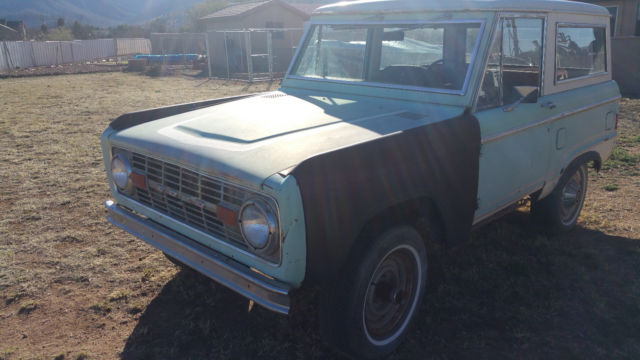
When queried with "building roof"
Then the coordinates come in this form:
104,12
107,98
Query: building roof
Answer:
307,8
391,6
243,9
13,24
6,28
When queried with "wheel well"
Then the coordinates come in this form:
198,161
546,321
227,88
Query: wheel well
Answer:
421,213
585,158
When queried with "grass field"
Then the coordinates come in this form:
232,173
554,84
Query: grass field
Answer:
72,286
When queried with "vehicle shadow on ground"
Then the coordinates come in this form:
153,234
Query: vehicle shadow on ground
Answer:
512,292
195,318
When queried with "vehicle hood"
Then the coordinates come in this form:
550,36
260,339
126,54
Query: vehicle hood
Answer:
248,140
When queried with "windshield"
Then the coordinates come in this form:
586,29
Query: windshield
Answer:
434,55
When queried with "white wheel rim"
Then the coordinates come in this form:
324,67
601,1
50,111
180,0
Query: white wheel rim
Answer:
572,197
405,316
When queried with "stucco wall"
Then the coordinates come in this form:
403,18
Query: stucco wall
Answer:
283,44
626,64
627,15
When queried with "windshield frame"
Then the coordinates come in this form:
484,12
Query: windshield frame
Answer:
308,33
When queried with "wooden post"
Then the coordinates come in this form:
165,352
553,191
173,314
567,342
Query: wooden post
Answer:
206,41
226,53
247,45
270,54
5,50
184,53
57,51
33,54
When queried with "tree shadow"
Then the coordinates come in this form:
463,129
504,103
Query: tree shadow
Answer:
511,292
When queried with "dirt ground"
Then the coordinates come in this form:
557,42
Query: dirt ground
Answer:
63,69
72,286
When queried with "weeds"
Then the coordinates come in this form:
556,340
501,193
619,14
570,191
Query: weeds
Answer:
6,353
621,158
13,297
101,308
27,307
119,295
82,356
136,308
611,187
147,274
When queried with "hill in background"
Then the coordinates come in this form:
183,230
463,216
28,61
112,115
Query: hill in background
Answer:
101,13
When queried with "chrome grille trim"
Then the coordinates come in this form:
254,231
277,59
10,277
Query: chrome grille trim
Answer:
190,197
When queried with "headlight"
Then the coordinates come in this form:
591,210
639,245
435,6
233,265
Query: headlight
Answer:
258,224
121,173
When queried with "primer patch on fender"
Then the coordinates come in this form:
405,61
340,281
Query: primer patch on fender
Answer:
343,189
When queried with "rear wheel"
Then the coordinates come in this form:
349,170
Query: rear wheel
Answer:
370,313
559,211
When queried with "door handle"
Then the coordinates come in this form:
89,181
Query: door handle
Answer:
548,105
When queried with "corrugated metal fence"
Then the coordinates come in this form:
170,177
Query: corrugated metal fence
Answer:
24,54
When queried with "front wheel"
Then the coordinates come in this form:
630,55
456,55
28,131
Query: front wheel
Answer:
559,211
371,312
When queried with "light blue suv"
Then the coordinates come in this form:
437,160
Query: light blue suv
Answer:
399,126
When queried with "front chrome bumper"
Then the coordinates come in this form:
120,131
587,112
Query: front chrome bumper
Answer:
272,294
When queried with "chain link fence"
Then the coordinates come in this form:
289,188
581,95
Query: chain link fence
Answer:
251,54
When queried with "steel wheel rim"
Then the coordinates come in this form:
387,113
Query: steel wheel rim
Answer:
392,295
572,197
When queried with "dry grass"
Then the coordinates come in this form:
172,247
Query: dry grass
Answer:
56,247
73,286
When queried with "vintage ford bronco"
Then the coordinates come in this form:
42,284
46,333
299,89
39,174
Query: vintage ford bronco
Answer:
399,125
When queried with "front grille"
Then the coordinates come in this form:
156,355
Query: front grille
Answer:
189,197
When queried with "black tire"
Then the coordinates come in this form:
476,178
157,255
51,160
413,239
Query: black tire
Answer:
559,211
368,314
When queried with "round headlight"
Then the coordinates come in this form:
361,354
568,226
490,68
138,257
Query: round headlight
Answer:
121,173
257,224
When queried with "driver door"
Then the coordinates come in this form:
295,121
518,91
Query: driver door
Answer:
515,140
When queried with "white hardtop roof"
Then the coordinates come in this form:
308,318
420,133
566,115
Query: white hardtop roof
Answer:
395,6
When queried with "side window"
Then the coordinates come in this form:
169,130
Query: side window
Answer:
514,64
580,51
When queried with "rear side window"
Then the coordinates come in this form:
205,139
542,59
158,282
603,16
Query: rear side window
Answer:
515,62
580,51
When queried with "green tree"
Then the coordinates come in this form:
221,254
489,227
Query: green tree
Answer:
83,31
194,24
127,31
158,26
58,34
